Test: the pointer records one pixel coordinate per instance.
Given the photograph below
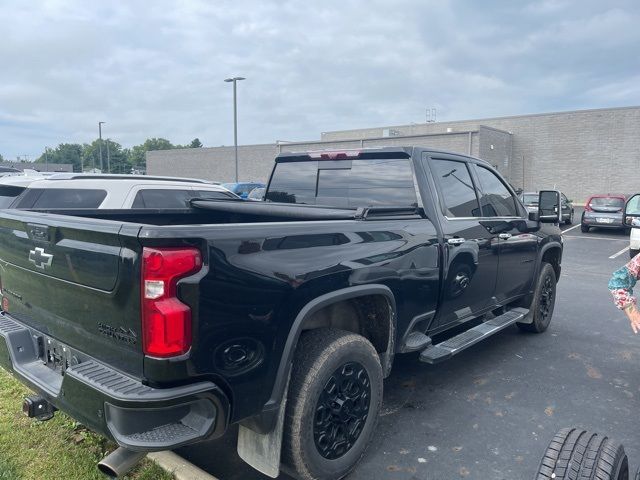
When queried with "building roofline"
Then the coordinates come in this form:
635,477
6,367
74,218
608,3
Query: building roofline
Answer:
480,120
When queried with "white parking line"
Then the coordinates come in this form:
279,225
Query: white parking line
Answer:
569,229
615,255
582,237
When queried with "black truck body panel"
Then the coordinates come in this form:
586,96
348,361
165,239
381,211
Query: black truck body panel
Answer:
266,270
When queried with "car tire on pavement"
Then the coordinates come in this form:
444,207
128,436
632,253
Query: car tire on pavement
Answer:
335,394
584,228
543,303
633,253
582,455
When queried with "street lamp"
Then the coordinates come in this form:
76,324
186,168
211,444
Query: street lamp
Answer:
100,144
235,118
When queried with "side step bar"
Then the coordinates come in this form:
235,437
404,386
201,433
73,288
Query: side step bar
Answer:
447,349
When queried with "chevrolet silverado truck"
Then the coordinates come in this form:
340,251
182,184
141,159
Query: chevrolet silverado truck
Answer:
161,328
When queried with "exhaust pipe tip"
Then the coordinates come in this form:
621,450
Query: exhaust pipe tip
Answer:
119,462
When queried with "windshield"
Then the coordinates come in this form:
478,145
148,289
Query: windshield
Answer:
530,198
8,194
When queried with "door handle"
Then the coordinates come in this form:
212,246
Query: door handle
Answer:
504,236
456,241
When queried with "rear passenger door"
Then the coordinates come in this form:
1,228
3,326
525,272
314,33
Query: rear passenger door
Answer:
471,249
518,248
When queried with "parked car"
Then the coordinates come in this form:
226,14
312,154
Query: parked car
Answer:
530,201
242,189
632,208
257,194
160,329
109,191
12,185
603,211
8,171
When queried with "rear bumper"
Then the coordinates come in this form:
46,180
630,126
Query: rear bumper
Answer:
136,416
596,221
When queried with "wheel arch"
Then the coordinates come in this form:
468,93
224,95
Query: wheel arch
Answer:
266,421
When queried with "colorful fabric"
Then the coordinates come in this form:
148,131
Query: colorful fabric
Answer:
623,281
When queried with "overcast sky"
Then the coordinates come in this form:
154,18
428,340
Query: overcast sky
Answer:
156,69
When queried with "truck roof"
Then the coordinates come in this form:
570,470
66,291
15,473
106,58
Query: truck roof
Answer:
365,152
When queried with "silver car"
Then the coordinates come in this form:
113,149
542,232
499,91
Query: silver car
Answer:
603,211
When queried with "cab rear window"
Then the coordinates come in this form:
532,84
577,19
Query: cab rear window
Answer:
344,183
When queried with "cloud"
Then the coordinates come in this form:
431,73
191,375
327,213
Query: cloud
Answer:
156,69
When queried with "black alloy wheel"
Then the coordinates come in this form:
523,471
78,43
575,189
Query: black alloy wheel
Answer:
342,410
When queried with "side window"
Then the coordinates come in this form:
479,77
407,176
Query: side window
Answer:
457,188
214,194
162,198
70,198
495,198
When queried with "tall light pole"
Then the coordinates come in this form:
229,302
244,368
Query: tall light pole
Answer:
235,118
100,144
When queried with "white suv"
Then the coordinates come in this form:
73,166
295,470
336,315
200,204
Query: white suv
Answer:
115,192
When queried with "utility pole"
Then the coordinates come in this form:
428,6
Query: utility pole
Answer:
235,118
100,142
108,158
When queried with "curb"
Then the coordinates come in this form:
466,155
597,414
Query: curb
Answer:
179,467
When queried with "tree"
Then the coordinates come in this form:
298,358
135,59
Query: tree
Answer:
64,153
137,154
1,158
113,156
195,143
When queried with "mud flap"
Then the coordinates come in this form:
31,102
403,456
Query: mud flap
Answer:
262,451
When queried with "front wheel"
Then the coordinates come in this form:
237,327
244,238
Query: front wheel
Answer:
335,394
544,300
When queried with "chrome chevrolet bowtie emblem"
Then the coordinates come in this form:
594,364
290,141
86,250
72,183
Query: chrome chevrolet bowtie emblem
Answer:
39,258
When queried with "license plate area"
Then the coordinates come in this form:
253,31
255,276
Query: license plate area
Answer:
604,220
55,355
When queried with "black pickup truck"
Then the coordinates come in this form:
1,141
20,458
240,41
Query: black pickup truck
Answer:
159,328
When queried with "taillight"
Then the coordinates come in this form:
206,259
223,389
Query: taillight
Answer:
166,321
341,155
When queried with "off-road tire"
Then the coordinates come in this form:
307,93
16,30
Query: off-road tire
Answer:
320,355
576,454
539,321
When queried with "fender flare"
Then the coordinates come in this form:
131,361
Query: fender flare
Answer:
265,421
543,250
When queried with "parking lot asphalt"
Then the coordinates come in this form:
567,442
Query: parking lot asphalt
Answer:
490,412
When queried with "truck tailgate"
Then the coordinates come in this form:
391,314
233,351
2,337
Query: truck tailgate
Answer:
75,281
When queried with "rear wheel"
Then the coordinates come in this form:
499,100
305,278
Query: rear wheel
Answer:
584,228
633,253
332,409
577,454
544,300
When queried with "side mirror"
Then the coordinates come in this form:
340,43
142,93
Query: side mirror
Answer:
549,206
631,216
